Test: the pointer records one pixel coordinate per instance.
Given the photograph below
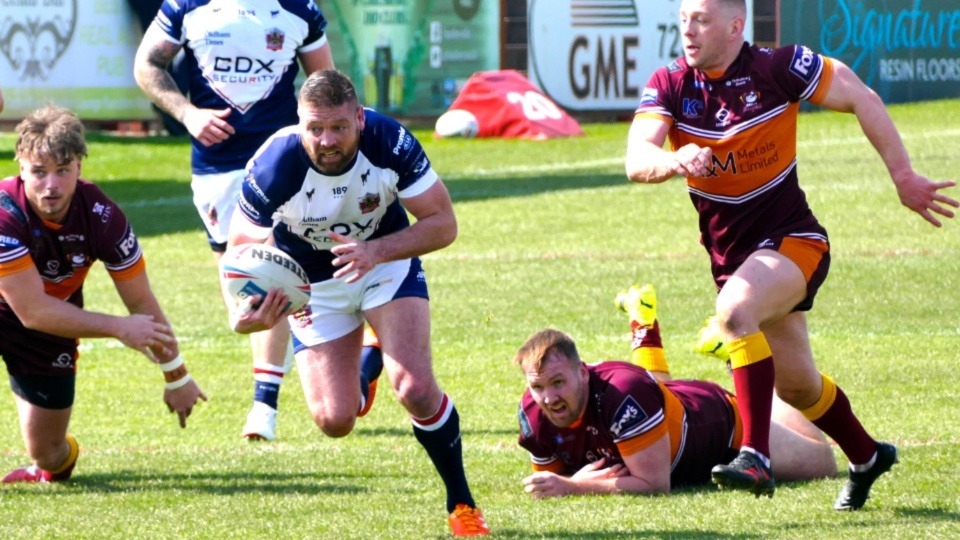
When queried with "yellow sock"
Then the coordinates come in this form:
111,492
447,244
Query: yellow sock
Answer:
71,456
748,350
650,359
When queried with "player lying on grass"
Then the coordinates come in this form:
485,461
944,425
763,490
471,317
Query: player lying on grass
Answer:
616,427
53,227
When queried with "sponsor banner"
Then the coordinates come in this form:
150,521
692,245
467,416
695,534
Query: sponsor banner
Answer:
596,55
906,50
412,57
77,54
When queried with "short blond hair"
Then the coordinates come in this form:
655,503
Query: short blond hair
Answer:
51,132
541,345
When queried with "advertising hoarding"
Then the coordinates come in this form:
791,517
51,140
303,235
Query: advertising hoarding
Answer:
411,57
906,50
596,55
77,54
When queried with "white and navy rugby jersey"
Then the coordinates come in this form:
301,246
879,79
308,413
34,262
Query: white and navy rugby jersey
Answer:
284,189
242,54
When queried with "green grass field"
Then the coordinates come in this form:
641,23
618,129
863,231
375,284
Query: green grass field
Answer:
549,231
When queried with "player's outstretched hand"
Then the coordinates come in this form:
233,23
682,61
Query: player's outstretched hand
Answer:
183,399
923,196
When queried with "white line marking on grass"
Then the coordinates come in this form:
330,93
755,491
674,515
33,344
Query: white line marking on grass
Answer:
572,166
551,167
608,162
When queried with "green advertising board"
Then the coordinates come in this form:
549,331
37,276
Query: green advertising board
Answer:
906,50
410,57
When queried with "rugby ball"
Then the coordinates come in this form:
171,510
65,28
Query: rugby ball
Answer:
457,123
250,269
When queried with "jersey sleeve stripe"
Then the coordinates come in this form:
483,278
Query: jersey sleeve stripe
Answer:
675,424
421,185
551,464
15,261
630,446
130,272
826,79
657,113
129,262
310,47
814,82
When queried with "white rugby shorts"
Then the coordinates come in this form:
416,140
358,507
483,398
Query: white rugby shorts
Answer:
336,308
215,196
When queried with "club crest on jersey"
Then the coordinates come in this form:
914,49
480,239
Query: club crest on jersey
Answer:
751,100
369,202
628,416
274,39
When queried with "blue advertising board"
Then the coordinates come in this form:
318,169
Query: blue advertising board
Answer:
906,50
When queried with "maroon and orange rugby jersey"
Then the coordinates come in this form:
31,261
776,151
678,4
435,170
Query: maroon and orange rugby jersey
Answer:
94,229
627,411
748,117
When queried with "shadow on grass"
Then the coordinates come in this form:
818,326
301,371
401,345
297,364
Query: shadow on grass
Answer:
607,534
933,515
406,432
227,483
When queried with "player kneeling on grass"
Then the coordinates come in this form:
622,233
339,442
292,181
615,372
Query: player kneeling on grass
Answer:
53,227
617,427
334,192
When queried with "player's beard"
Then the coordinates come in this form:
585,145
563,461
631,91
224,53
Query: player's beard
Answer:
333,160
573,408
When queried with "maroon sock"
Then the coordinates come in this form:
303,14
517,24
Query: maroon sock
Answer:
841,425
754,386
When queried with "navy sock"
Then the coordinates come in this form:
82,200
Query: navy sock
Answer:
441,439
371,363
266,393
